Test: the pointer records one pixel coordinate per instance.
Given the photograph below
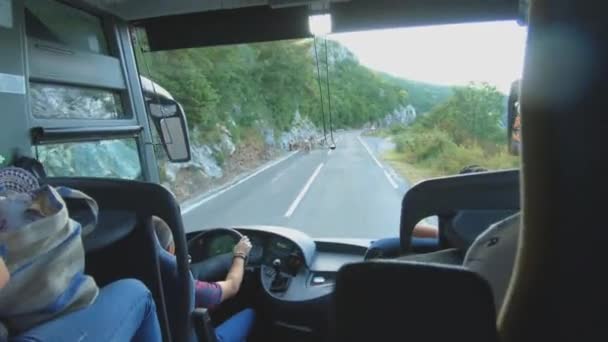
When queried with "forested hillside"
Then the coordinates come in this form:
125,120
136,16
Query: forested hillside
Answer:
423,96
268,82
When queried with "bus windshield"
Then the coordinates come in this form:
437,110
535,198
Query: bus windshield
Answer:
399,106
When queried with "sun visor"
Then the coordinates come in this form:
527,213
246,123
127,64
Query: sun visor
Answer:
265,23
234,26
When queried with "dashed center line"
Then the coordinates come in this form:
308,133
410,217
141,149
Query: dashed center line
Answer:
278,176
386,173
303,192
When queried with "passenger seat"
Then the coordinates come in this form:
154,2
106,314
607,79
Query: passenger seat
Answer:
492,255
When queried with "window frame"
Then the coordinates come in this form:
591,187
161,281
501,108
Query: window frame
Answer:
56,64
117,66
88,10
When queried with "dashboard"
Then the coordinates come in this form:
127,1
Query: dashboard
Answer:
307,269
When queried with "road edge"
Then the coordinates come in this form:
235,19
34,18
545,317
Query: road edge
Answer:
195,202
388,176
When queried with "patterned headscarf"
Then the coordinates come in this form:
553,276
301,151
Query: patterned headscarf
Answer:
17,180
17,188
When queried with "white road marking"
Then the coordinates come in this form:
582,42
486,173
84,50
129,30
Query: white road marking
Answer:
370,153
240,181
278,176
388,176
390,179
303,192
393,173
329,152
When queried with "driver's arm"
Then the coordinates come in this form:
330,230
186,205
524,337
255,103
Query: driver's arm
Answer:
422,230
230,287
4,274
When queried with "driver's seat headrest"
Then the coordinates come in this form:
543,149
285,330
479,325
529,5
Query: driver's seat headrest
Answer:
392,300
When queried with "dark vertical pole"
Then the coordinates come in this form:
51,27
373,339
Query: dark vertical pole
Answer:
331,128
320,89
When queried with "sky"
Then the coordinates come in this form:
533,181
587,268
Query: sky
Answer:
490,52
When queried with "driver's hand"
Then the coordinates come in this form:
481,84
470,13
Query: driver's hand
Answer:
242,248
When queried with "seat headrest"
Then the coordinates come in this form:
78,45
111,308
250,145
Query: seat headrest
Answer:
408,301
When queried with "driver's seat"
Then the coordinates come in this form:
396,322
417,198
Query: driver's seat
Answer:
202,328
205,332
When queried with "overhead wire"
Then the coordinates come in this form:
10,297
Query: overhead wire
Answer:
331,128
320,89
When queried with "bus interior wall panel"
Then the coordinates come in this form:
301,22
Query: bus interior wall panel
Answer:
263,23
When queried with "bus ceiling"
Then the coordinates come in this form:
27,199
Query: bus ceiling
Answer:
184,23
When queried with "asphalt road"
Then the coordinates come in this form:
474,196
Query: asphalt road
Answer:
347,192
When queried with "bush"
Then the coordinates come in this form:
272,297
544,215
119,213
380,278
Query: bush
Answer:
455,158
396,129
251,136
501,160
219,157
420,146
435,150
401,143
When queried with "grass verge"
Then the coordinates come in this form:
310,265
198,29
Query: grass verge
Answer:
412,173
416,172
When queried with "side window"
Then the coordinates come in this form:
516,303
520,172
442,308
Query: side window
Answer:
76,85
115,158
53,101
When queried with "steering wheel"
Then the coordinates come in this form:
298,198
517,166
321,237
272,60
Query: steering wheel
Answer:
214,268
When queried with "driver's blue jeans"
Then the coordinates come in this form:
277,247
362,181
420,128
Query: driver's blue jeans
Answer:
123,311
237,328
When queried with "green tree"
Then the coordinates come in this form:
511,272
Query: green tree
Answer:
471,115
268,82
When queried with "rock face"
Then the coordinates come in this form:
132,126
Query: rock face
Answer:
66,102
301,129
402,116
109,158
268,134
202,159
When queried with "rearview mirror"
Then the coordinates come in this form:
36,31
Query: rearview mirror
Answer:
514,120
170,121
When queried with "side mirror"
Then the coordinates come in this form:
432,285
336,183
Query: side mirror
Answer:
514,120
523,12
170,122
